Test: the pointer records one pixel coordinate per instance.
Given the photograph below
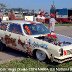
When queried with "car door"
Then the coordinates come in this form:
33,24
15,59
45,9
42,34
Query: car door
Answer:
3,28
13,35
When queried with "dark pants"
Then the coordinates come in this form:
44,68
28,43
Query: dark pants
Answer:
0,19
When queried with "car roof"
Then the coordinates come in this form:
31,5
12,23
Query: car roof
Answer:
20,21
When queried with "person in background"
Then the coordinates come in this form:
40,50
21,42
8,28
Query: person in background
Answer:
41,17
52,22
11,15
1,15
71,18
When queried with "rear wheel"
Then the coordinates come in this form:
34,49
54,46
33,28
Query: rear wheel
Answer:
40,55
2,46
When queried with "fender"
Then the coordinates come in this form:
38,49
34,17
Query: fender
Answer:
44,50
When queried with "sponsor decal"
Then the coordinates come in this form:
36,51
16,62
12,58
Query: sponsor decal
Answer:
36,44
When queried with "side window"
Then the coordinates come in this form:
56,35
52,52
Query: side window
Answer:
3,26
27,29
15,28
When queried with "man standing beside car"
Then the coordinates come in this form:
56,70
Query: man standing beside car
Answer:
52,22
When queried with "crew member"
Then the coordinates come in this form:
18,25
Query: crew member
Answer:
52,22
41,17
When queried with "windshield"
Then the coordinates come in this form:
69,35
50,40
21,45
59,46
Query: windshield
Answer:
35,29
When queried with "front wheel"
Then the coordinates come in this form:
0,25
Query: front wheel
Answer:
40,55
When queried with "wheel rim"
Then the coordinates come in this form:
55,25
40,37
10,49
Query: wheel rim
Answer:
40,55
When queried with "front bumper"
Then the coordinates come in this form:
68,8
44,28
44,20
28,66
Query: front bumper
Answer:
63,59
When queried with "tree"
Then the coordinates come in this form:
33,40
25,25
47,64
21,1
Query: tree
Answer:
2,6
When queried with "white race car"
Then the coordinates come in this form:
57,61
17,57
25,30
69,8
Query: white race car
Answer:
35,39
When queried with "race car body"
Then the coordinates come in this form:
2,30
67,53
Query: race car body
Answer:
35,39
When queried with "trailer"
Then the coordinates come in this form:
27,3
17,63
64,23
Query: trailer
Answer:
64,15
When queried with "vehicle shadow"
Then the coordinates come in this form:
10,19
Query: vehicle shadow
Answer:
20,54
15,53
52,64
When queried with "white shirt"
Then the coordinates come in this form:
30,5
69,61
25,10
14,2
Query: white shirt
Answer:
52,21
40,17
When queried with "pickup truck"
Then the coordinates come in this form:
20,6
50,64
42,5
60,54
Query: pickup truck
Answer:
35,39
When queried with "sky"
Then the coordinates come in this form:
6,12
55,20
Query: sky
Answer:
37,4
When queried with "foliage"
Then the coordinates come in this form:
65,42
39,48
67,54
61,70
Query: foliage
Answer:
2,6
26,62
32,63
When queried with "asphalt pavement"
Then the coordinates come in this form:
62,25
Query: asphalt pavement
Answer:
64,30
